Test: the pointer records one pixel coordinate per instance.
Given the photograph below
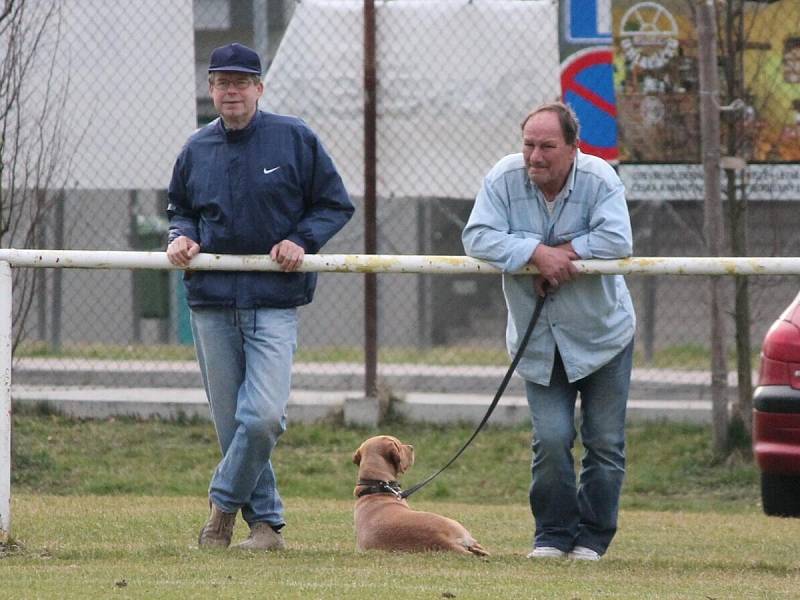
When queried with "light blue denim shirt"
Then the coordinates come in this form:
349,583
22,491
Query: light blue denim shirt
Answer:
589,319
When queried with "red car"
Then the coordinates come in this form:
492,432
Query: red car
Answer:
776,415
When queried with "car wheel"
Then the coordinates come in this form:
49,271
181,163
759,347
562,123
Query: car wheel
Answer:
780,495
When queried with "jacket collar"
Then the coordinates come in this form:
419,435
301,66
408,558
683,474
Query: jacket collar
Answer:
236,135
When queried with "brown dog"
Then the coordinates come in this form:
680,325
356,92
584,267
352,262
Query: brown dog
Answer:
383,519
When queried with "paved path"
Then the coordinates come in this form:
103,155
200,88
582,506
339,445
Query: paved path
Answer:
310,406
171,389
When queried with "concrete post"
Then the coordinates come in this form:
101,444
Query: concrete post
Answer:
362,411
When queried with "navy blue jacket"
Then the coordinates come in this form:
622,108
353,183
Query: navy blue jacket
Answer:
242,192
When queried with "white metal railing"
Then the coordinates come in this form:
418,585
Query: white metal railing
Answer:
397,263
338,263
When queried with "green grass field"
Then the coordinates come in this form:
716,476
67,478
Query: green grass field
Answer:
110,509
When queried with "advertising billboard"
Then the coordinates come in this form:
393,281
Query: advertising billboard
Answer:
656,81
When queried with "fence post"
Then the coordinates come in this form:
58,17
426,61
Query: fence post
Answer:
57,300
366,410
5,401
370,200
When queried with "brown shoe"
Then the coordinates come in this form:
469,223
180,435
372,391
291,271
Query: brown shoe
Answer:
262,537
218,530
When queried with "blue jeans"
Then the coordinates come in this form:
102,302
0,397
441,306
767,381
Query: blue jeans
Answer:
583,513
245,358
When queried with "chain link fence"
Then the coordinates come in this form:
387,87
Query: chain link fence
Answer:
454,79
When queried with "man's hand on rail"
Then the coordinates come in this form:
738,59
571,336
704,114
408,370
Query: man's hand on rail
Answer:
181,251
554,264
288,255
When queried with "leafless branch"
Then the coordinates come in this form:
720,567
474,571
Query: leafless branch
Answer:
34,148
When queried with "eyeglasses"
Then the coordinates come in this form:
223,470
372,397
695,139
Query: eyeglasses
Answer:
239,84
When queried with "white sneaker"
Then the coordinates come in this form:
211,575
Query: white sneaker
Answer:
583,553
547,552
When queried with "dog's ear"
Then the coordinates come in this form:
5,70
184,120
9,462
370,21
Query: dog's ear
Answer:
394,455
406,457
357,456
400,458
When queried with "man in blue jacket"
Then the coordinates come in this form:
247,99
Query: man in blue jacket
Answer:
547,206
250,182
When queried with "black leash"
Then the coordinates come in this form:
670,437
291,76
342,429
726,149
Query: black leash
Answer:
499,394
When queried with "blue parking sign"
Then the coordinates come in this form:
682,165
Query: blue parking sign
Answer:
587,21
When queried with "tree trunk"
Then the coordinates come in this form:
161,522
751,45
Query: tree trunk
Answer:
737,206
710,139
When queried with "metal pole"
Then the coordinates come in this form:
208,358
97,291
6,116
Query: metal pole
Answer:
399,263
40,278
57,300
370,218
424,284
136,320
162,201
261,30
650,285
5,400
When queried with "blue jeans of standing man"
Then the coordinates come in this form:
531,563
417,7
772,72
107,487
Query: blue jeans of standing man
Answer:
583,514
245,358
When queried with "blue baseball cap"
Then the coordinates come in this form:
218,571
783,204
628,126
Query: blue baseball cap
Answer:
235,57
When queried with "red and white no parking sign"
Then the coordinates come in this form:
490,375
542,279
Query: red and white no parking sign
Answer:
587,84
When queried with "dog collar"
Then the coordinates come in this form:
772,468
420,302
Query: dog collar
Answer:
378,486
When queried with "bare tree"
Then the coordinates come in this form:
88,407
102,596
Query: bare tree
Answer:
744,141
35,159
714,227
731,42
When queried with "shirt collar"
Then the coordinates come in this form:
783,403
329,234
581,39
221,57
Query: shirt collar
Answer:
569,185
573,174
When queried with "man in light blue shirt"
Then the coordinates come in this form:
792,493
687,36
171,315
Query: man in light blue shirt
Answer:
548,206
